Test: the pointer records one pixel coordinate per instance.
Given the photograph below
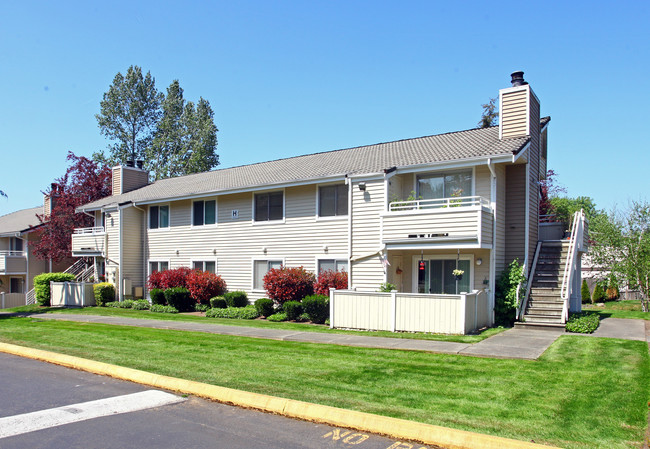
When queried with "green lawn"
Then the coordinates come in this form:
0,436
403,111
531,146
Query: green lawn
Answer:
306,327
619,309
583,392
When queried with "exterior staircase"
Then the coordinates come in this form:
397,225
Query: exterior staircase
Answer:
544,307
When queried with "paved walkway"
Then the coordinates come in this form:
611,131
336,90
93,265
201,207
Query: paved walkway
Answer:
515,343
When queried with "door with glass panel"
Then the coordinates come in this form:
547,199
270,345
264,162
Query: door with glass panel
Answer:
436,276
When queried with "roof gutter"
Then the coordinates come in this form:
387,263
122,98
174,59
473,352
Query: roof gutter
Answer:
517,155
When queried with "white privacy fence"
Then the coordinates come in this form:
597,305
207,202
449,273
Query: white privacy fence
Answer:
79,294
411,312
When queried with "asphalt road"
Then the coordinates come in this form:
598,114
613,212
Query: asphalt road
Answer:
34,389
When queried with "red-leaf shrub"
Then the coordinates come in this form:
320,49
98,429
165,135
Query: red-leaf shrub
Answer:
169,278
204,285
330,279
288,284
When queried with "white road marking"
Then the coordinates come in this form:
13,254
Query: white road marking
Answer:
30,422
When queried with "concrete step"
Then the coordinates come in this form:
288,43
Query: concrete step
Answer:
544,312
539,326
545,318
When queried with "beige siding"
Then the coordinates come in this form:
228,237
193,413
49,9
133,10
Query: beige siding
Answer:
367,271
515,216
132,246
534,164
482,186
236,242
113,247
133,178
117,179
513,113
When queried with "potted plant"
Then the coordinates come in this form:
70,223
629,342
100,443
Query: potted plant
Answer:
458,274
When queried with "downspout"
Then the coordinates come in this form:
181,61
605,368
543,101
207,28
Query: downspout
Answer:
348,181
144,250
388,173
527,229
493,258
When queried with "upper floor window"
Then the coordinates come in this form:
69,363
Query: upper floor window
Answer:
269,206
204,212
445,185
158,217
332,200
16,244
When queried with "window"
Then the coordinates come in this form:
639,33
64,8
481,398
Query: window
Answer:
261,267
16,244
436,276
158,217
207,265
158,266
332,264
16,285
204,213
332,200
445,185
269,206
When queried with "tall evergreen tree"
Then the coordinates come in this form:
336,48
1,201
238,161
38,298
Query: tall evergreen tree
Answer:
490,114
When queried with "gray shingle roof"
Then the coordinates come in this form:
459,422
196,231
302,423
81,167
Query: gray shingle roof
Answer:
460,145
20,220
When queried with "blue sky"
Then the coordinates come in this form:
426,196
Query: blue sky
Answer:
293,77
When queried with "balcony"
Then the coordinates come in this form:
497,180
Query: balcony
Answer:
89,242
13,262
438,223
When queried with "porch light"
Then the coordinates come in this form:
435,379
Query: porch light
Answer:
362,186
479,261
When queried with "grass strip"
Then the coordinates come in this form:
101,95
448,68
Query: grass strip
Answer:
304,327
619,309
566,398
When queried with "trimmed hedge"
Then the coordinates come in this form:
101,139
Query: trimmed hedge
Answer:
236,299
104,293
157,296
264,307
293,309
204,285
583,323
317,308
180,299
42,285
218,303
242,313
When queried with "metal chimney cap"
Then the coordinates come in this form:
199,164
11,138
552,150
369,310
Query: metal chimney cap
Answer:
518,78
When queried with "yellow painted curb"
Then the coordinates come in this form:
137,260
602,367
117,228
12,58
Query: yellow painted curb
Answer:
396,428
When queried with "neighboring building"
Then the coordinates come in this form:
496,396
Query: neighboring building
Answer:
406,212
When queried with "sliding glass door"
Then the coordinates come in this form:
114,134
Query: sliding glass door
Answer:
436,276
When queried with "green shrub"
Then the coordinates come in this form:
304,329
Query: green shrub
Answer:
583,323
293,309
180,299
163,309
157,296
237,298
104,292
218,302
506,293
387,287
277,317
42,285
140,304
201,307
317,308
584,292
264,307
303,317
242,313
114,304
598,295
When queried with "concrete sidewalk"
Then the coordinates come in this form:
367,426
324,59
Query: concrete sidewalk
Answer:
515,343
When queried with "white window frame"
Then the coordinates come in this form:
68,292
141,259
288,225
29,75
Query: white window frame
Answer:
216,213
445,172
416,259
21,282
203,261
335,258
269,222
331,217
169,217
259,259
150,261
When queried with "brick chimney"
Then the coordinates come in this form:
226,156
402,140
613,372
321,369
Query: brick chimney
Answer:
129,177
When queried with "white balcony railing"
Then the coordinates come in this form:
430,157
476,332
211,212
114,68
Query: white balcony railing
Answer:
92,231
438,203
12,253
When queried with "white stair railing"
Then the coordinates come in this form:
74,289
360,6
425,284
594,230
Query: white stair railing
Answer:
575,242
30,297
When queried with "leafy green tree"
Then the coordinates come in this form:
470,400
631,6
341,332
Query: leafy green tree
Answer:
490,114
129,113
621,241
565,207
173,137
506,293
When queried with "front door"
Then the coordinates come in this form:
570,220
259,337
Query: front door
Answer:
436,276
